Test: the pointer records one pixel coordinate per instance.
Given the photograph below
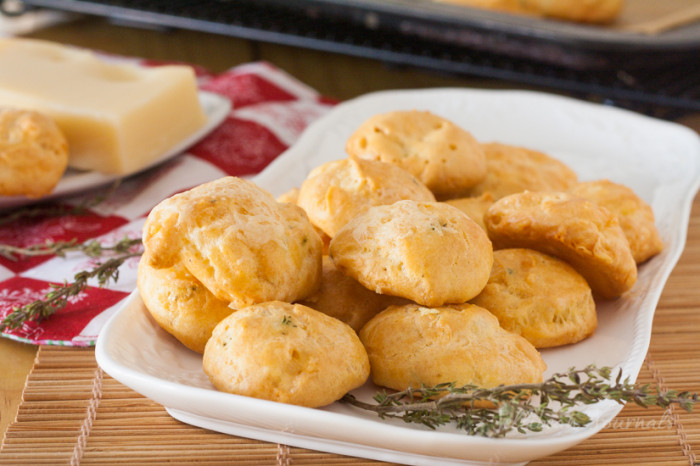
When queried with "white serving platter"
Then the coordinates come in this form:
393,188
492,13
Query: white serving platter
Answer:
216,108
659,160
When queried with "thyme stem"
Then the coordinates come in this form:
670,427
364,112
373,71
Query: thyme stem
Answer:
522,407
57,297
91,248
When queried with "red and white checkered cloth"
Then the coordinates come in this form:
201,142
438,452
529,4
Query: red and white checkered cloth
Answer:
270,110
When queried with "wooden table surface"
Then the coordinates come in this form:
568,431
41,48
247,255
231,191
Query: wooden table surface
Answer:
335,76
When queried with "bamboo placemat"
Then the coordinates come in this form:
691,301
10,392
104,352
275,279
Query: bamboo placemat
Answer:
73,413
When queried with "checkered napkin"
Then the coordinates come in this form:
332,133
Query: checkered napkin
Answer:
270,110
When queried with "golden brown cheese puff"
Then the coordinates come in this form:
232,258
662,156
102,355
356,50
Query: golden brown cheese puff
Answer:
474,207
180,304
635,216
344,298
436,151
410,346
585,11
539,297
33,153
238,241
428,252
508,6
512,169
285,352
336,192
579,231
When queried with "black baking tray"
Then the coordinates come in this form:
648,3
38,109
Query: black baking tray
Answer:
561,42
596,62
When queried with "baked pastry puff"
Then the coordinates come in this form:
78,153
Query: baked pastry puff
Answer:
577,230
239,242
635,216
539,297
513,169
179,303
344,298
33,153
336,192
445,157
412,345
428,252
285,352
581,11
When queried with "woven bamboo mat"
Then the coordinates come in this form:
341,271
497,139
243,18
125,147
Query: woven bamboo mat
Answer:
74,413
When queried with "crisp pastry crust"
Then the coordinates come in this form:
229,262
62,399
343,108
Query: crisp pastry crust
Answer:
336,192
285,352
344,298
539,297
33,153
442,155
579,231
635,216
179,303
411,345
512,169
238,241
474,207
430,252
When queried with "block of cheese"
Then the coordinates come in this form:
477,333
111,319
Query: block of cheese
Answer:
118,117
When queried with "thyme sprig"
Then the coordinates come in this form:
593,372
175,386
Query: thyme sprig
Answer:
523,407
57,298
91,248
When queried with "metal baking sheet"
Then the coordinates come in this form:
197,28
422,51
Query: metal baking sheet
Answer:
415,16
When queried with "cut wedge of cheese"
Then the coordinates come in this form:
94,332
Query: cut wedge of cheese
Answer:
117,117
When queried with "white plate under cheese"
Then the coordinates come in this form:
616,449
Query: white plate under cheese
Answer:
216,108
117,117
